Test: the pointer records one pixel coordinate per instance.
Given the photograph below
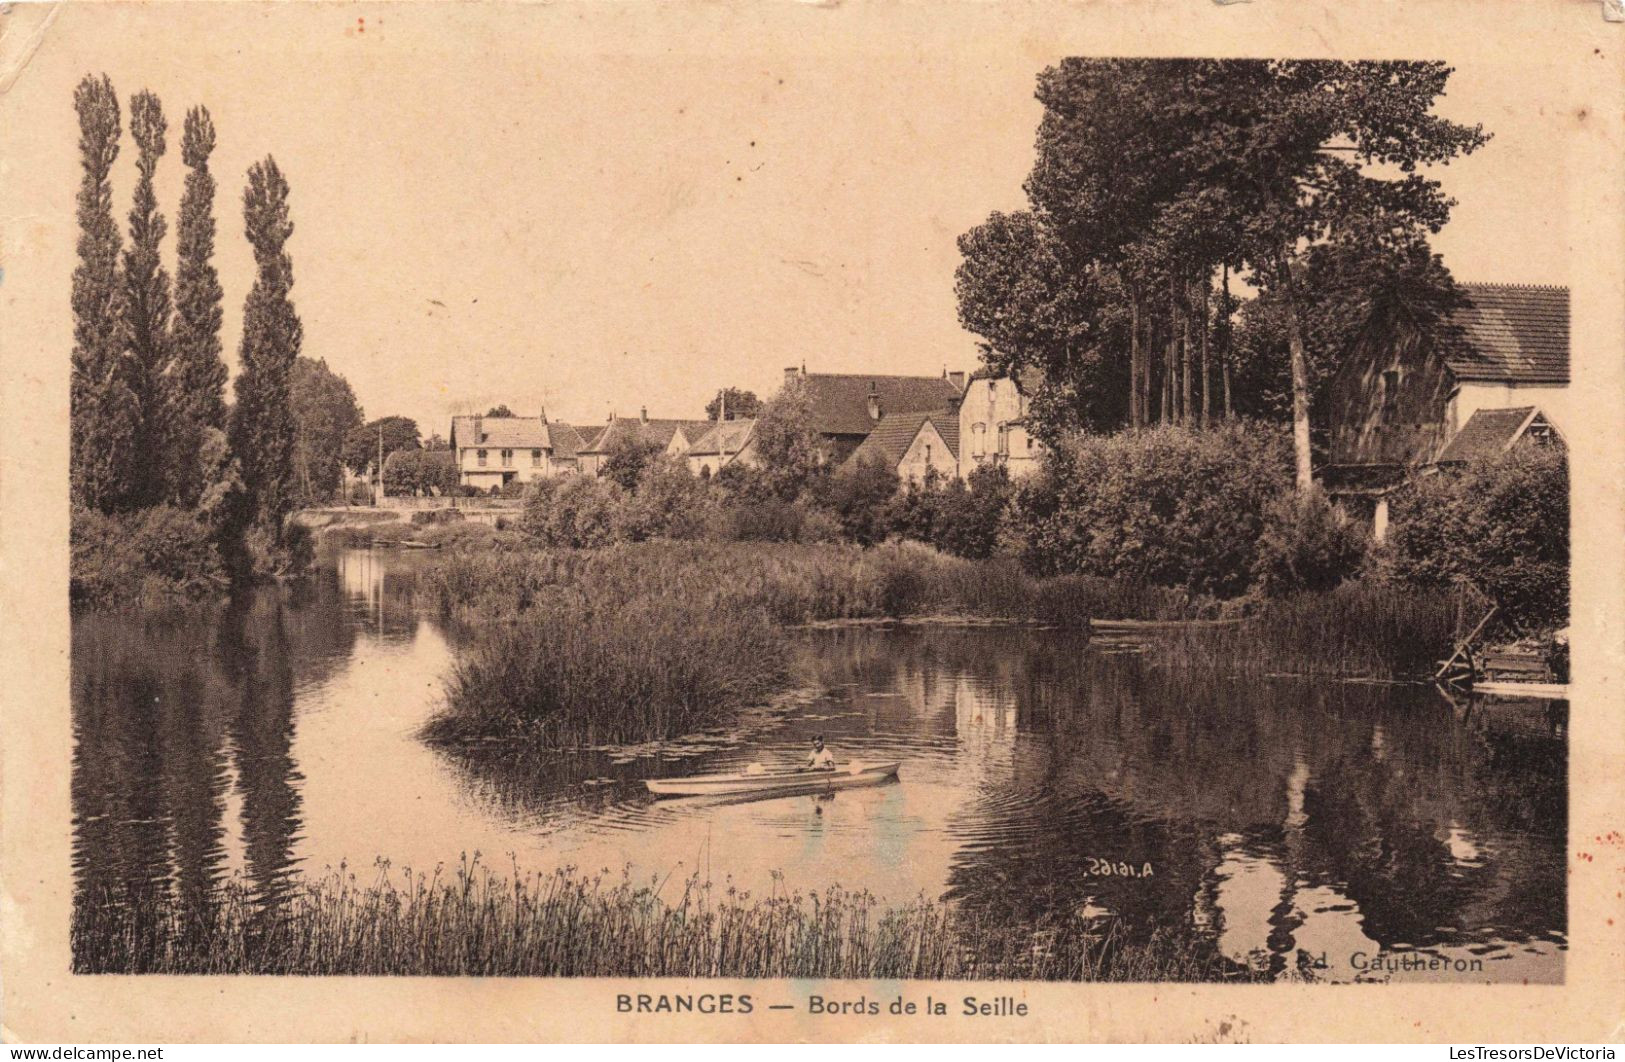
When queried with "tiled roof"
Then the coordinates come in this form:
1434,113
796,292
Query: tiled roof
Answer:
726,437
654,431
567,438
896,431
517,433
1487,432
1512,333
840,401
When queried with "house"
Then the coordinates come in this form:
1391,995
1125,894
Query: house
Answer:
845,407
494,451
993,423
1494,373
914,445
728,442
663,434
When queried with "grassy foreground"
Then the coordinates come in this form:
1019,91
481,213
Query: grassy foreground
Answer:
474,922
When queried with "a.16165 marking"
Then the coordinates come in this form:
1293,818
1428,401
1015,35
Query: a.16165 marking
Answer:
1108,868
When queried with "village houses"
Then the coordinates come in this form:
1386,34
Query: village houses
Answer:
491,452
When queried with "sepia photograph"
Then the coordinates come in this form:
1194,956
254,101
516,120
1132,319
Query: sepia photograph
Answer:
585,502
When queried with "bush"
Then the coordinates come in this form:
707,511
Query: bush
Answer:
577,512
146,557
856,497
669,502
1500,525
1168,506
1307,544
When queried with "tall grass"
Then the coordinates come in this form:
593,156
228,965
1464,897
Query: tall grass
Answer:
1358,630
563,924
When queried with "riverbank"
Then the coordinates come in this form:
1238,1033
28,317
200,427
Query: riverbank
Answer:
643,642
476,922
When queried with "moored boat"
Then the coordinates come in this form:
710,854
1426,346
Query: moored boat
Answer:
744,782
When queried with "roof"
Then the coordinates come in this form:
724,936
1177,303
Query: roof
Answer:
839,402
895,432
1027,380
725,437
568,439
518,433
1487,432
1511,333
654,431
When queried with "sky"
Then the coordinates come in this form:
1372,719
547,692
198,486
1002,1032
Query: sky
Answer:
580,210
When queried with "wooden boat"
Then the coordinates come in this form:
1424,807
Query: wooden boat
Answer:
767,782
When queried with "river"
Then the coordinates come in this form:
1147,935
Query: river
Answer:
1328,830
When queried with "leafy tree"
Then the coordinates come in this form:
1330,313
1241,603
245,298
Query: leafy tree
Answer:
104,412
325,412
1035,309
262,429
857,494
971,513
420,472
198,374
741,404
499,411
1151,175
629,454
436,441
790,453
361,445
1500,525
669,502
1168,506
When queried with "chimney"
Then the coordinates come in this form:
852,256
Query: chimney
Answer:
874,402
643,415
790,373
722,405
479,430
958,380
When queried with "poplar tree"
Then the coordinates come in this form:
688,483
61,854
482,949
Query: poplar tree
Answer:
103,410
147,310
198,373
262,429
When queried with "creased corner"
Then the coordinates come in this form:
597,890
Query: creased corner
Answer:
1613,10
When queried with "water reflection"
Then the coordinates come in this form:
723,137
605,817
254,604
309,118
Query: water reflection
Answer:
1304,828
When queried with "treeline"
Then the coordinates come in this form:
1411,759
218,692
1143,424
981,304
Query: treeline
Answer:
171,488
1211,517
1156,181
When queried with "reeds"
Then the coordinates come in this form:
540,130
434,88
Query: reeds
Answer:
565,924
1358,630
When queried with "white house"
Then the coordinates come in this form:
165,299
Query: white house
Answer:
993,423
494,451
728,442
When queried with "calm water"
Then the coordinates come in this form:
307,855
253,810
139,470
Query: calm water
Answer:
1297,822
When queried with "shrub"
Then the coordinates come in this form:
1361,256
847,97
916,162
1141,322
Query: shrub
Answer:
969,514
856,496
1168,506
577,512
145,556
1500,525
1307,544
669,502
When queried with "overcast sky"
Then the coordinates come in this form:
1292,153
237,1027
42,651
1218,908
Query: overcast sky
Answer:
583,215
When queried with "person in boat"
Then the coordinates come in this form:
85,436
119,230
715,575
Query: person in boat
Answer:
821,759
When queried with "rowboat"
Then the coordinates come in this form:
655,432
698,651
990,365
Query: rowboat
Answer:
744,782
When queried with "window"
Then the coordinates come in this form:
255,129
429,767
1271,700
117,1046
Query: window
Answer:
507,459
1004,440
978,440
928,455
1390,393
481,456
535,459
